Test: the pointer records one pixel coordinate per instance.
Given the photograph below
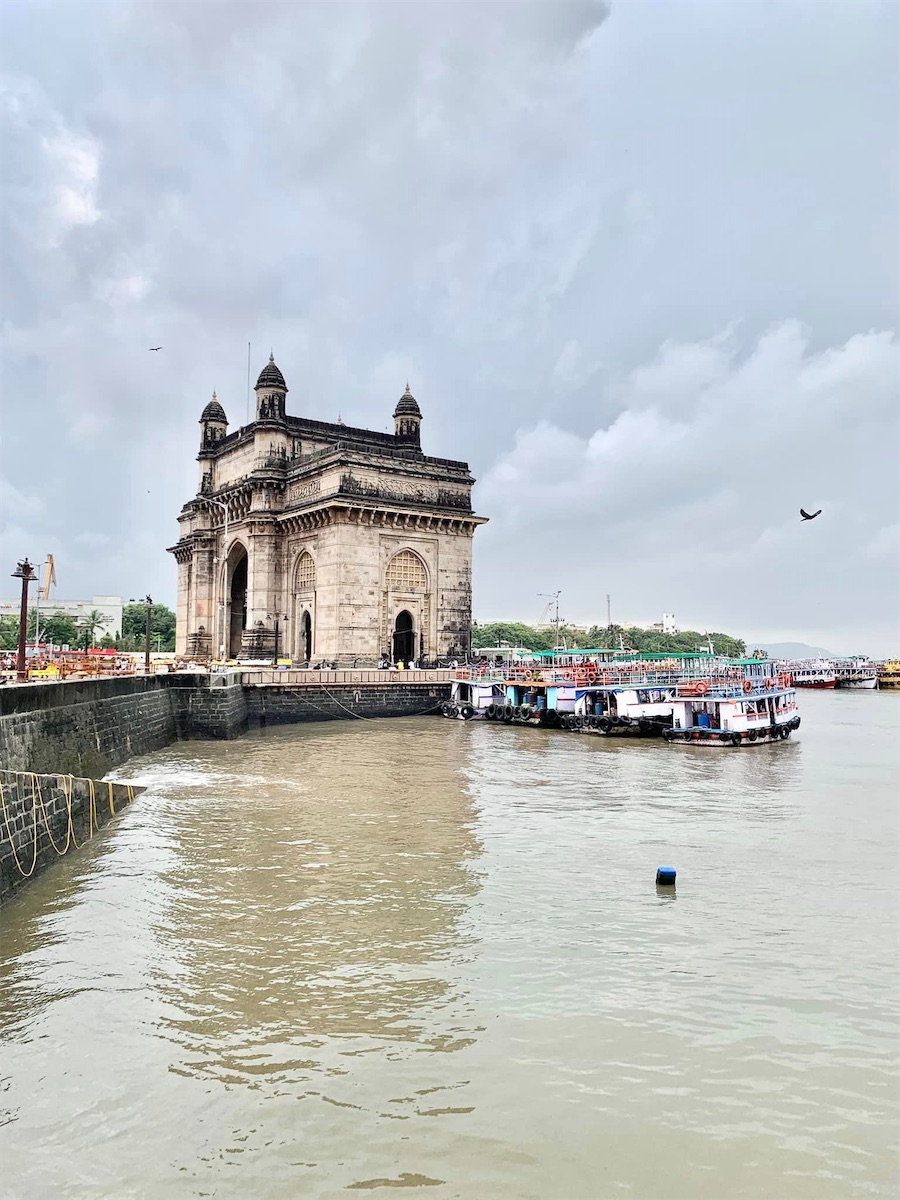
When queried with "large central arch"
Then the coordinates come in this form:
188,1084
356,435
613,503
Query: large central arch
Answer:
236,609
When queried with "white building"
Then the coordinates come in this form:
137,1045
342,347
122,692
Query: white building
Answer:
109,607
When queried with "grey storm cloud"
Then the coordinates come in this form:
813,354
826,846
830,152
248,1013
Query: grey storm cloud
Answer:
638,262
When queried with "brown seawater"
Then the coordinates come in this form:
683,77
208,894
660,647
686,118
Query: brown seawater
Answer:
351,957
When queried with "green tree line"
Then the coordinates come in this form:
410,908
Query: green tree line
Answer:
600,637
86,631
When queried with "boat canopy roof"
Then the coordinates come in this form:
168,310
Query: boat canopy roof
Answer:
636,655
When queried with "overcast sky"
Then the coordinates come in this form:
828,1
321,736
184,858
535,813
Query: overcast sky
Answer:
638,262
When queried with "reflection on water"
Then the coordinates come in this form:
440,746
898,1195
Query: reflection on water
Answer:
432,955
319,902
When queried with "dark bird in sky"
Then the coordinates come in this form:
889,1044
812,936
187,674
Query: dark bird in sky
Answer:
805,516
154,347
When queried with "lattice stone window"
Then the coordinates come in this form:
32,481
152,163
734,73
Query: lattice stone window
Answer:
406,573
306,572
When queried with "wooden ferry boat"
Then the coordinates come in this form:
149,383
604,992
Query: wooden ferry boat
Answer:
699,699
889,675
812,673
857,673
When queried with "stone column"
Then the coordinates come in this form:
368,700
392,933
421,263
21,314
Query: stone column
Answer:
265,586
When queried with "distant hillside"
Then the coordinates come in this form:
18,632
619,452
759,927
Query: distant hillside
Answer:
790,650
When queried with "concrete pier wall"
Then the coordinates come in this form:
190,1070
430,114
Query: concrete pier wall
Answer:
45,817
83,727
87,727
275,704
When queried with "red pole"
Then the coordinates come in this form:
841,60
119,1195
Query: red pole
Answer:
25,572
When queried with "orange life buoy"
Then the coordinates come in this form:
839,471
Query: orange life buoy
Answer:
748,686
769,683
591,674
701,689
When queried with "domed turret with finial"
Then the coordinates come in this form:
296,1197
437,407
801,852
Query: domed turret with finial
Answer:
271,391
213,424
407,419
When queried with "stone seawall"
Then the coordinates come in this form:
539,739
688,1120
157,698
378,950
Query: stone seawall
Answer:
208,706
47,816
87,727
272,704
83,727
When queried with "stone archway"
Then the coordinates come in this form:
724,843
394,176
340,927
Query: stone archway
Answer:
237,600
404,647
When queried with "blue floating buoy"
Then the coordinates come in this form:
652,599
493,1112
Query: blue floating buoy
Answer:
665,876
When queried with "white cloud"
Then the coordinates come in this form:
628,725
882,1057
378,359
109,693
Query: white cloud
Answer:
696,485
75,163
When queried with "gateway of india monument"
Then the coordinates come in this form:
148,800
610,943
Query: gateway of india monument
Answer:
323,542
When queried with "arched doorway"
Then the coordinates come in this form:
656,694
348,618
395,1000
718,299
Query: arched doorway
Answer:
237,602
404,637
306,635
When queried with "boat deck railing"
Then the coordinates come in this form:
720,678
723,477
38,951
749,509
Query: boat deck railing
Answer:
731,685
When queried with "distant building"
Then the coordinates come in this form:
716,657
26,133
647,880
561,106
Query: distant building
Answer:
331,542
666,625
109,607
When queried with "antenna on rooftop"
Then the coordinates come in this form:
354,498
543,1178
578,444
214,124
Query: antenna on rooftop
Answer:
248,383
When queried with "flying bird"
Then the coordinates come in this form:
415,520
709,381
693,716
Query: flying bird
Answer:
805,516
154,347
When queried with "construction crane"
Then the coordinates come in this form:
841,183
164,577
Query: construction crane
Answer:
543,619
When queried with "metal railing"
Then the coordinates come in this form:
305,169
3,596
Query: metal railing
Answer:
290,677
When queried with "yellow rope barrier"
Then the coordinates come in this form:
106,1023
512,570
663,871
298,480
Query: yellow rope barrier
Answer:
22,870
92,808
38,795
68,794
67,784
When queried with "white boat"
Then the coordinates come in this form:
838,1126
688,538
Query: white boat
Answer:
811,673
858,673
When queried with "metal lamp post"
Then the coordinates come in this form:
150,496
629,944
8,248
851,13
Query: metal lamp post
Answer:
149,603
278,617
24,571
223,504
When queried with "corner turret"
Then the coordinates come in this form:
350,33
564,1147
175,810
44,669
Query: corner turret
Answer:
213,424
407,419
271,391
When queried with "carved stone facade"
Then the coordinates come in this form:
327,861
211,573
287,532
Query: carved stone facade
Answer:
323,542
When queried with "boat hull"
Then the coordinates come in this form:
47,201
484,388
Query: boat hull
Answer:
859,685
817,683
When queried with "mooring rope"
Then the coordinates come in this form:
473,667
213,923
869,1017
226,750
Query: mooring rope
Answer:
22,870
359,716
67,785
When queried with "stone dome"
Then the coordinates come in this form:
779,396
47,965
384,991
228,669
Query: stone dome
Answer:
407,406
214,411
270,376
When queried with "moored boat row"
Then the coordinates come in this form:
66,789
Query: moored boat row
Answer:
857,673
699,699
